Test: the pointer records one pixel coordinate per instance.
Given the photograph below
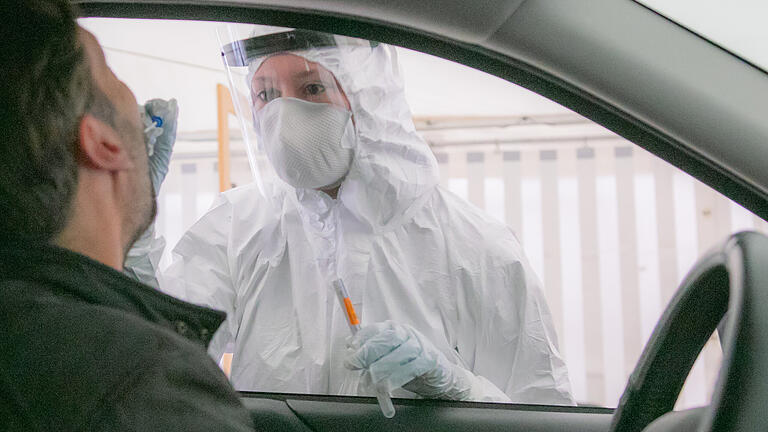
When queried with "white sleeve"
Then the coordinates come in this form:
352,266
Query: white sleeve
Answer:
517,345
143,259
200,271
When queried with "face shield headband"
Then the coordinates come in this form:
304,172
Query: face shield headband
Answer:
298,111
240,53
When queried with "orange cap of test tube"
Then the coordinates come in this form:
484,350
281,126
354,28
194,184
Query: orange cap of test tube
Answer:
351,312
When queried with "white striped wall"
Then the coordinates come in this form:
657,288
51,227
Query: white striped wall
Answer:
611,230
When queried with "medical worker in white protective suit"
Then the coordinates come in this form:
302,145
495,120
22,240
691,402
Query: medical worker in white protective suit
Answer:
449,306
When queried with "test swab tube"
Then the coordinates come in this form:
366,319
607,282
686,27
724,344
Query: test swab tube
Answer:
385,401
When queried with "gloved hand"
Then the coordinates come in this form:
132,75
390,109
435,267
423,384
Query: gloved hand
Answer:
159,118
396,355
143,259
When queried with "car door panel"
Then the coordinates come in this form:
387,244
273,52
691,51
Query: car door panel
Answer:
336,413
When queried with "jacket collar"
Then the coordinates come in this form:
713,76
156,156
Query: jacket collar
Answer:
74,275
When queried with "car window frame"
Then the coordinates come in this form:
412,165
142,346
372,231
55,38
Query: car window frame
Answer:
510,69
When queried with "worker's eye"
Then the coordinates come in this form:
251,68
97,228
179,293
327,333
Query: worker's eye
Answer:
267,95
314,89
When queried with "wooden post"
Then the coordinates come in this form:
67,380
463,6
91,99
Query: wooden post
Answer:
226,364
225,107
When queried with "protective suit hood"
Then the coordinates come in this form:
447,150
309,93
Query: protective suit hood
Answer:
393,169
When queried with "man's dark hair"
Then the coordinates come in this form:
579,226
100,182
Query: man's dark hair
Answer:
46,87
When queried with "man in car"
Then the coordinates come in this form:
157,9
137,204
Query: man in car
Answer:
85,347
449,306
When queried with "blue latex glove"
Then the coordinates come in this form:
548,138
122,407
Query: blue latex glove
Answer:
396,355
159,118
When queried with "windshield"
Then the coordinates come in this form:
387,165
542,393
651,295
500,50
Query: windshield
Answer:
737,26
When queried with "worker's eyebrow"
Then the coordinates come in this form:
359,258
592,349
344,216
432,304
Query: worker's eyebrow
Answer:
306,73
302,74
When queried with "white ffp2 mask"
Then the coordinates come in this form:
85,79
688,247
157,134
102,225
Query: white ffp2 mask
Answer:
309,144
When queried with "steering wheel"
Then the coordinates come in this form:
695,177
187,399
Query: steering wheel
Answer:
732,277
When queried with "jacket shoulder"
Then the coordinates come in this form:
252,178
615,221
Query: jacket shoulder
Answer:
71,360
181,390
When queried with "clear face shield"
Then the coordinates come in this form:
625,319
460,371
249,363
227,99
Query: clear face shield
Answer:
294,114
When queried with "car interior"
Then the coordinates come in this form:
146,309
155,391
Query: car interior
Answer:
640,75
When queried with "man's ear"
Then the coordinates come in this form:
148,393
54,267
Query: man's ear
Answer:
100,147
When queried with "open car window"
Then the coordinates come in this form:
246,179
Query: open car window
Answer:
608,229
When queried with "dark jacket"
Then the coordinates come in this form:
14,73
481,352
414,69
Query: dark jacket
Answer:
86,348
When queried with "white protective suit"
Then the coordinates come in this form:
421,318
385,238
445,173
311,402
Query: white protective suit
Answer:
408,251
